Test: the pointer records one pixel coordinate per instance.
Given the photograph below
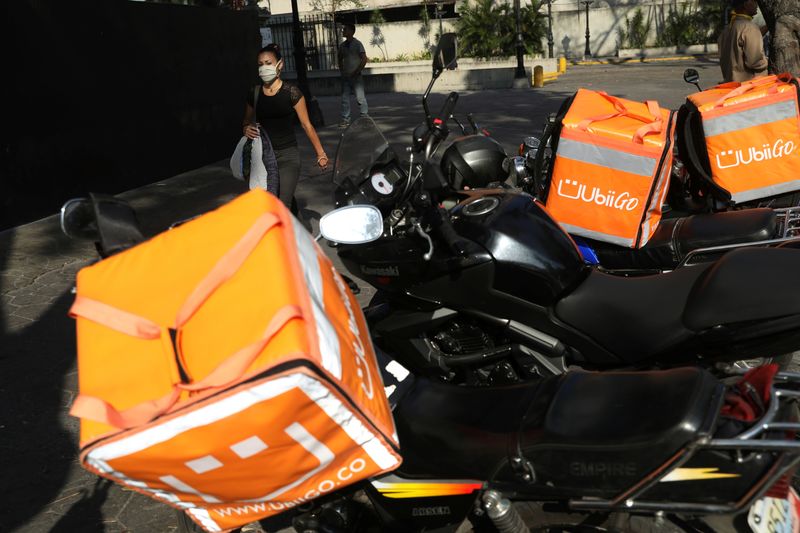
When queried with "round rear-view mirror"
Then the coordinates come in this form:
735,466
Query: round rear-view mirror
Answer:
78,220
352,224
690,75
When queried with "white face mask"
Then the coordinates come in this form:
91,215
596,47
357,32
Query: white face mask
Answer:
267,73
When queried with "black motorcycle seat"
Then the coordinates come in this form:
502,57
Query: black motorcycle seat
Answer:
676,237
729,227
457,431
635,318
617,427
645,317
628,408
746,285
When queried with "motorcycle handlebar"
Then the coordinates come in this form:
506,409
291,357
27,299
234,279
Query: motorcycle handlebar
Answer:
444,228
449,105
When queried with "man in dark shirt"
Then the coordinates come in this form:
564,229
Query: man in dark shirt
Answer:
352,59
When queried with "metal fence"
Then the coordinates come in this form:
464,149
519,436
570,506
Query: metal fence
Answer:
320,35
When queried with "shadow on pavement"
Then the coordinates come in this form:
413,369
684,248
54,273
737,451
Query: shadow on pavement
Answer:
37,364
85,515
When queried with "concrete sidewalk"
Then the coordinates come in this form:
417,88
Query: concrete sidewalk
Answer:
43,487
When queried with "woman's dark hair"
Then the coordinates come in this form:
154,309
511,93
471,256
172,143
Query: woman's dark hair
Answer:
272,48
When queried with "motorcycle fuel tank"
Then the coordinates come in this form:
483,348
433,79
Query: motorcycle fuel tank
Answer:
396,263
535,258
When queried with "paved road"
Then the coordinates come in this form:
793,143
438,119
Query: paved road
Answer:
43,487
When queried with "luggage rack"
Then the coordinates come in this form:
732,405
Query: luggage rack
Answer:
788,220
752,439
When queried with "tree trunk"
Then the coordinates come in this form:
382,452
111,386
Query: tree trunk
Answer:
783,21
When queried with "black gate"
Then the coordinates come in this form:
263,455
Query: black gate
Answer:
320,36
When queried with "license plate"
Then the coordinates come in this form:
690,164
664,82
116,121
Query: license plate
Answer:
775,515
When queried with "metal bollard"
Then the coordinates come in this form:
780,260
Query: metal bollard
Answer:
562,65
538,76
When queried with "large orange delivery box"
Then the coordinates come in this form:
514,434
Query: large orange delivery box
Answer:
744,138
611,169
226,369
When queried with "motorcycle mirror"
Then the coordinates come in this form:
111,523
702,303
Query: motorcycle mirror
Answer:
690,75
352,224
445,54
78,220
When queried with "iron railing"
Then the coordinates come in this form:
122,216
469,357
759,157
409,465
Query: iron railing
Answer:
320,36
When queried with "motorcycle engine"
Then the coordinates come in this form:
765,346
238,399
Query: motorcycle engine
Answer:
459,338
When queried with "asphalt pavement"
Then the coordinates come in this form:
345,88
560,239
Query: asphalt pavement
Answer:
43,486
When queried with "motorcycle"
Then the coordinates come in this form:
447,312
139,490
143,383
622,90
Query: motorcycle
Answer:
483,287
670,450
577,451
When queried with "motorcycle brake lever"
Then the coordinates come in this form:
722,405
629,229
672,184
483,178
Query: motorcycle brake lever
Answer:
421,232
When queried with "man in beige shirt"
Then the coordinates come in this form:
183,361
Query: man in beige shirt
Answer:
741,44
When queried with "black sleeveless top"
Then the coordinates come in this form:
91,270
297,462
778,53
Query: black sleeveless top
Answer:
276,114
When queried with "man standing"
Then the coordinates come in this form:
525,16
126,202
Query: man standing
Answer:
741,44
352,59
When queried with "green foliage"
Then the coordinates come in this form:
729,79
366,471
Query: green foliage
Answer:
634,35
486,29
425,26
707,21
376,17
416,56
692,25
331,7
679,28
684,25
377,39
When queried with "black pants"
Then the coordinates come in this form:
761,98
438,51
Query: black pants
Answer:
289,169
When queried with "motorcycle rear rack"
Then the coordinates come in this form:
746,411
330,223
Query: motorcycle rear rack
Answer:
751,440
789,221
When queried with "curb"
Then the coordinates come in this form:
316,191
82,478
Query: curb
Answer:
619,61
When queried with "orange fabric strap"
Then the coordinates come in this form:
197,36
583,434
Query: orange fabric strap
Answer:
748,86
653,127
231,369
653,124
619,107
226,267
114,318
236,365
93,408
227,372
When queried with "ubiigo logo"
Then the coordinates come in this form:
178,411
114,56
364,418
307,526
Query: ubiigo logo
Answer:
734,158
574,190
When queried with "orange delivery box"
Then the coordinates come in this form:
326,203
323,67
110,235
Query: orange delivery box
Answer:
226,369
611,168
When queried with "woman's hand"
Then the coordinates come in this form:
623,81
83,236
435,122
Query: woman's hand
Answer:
322,161
251,131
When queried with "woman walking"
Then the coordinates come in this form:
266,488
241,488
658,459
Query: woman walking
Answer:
279,102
